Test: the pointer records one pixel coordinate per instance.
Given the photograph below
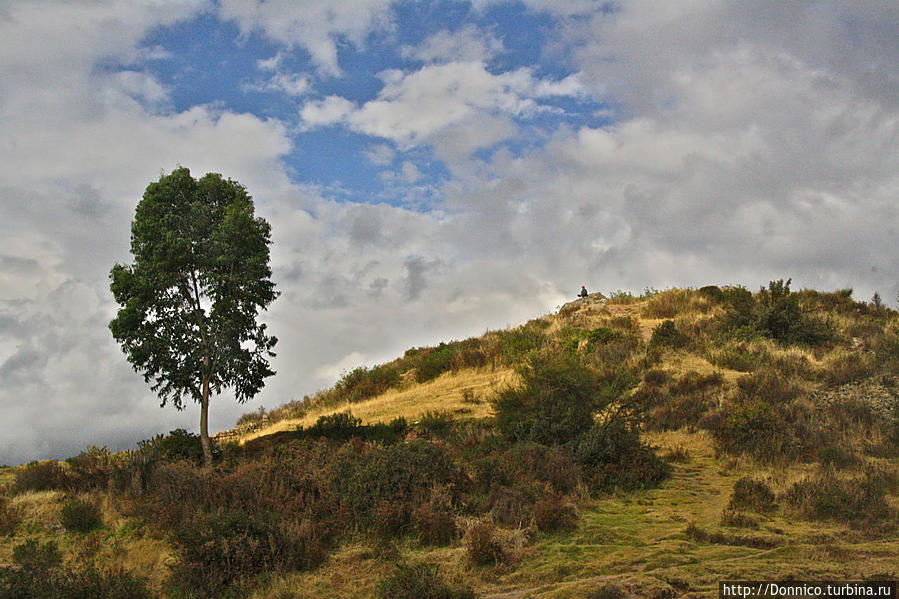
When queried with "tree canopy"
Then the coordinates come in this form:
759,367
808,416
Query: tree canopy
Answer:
190,301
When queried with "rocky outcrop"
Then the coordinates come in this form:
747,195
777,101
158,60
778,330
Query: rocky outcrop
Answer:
592,300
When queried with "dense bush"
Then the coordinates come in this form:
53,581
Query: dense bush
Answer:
434,361
554,512
10,518
482,546
517,344
41,476
555,403
434,521
40,575
362,383
90,469
613,456
854,500
751,494
419,581
342,426
220,549
401,473
81,516
666,334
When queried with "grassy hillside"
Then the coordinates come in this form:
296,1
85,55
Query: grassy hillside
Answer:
630,447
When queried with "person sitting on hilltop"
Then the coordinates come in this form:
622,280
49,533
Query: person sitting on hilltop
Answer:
583,292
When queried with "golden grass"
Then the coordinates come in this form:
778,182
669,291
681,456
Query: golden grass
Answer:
446,393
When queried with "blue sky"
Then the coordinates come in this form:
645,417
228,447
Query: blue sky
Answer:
430,170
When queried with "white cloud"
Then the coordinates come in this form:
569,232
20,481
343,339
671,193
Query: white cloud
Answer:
292,84
414,107
316,25
468,44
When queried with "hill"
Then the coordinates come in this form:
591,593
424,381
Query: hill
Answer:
645,446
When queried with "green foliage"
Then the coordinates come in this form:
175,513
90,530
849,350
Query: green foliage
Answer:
90,469
436,424
189,303
517,344
81,516
342,426
433,362
362,383
555,403
419,581
181,445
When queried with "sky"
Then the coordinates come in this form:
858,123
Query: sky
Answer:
431,170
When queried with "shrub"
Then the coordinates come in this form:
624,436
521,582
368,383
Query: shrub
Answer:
433,362
752,427
712,293
666,334
481,545
40,575
655,378
41,476
516,344
846,368
438,424
402,473
737,519
420,581
555,403
391,519
81,516
362,383
340,426
434,521
90,469
181,445
767,386
10,518
553,512
854,500
601,335
218,550
751,494
512,506
613,456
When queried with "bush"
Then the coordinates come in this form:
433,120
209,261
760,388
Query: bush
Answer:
90,469
40,575
10,518
481,545
434,521
81,516
613,456
555,403
420,581
362,383
402,473
41,476
517,344
737,519
181,445
218,550
512,506
666,334
391,519
553,512
437,424
854,500
751,494
433,362
339,426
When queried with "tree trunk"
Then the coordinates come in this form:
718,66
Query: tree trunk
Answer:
204,425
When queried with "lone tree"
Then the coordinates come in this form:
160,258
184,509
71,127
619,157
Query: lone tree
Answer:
190,301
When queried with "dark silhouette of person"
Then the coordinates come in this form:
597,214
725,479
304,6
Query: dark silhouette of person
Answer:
583,292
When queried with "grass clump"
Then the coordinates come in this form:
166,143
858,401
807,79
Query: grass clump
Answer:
419,581
752,494
854,500
482,545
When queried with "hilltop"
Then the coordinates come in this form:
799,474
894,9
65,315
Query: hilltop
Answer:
629,446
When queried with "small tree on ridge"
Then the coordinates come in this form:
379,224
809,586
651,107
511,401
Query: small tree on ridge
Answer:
189,303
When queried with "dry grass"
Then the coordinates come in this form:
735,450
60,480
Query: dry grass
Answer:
450,392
